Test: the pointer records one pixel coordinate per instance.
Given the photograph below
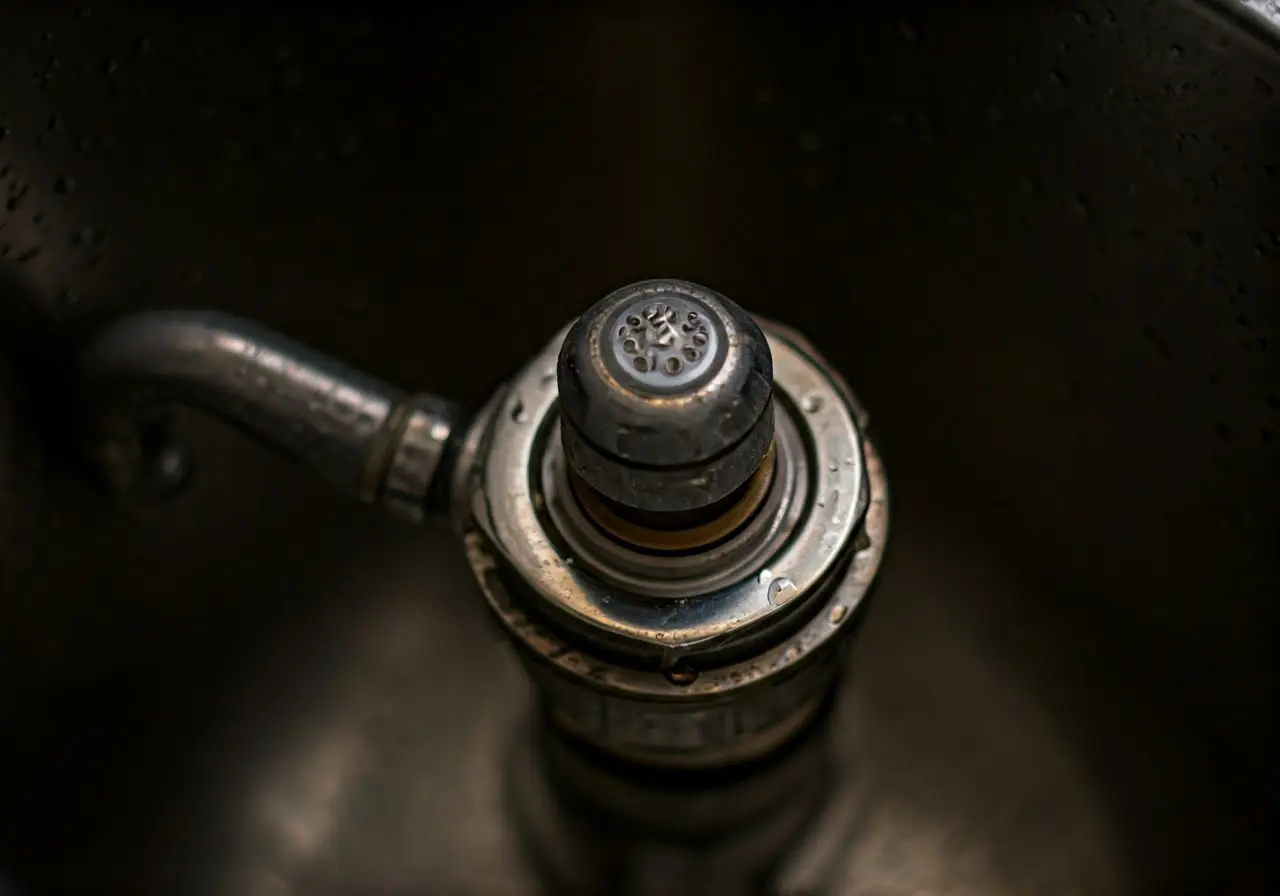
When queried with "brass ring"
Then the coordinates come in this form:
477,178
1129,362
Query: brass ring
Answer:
679,539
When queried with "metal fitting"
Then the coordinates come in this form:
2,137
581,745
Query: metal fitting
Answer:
705,656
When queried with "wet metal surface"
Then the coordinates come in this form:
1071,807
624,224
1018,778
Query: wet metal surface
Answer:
1039,240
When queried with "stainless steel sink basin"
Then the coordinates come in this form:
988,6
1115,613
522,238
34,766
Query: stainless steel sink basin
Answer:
1040,243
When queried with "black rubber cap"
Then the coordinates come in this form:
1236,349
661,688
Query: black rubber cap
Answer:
666,396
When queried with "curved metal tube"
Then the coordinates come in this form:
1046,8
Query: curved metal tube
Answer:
371,440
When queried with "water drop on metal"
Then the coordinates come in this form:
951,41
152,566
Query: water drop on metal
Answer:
682,676
811,404
781,590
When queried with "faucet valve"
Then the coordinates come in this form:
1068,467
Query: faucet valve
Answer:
675,514
673,509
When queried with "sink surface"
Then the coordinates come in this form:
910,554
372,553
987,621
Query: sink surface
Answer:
1038,242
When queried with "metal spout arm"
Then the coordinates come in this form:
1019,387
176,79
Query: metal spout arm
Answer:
371,440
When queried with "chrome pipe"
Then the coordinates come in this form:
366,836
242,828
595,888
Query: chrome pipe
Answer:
369,439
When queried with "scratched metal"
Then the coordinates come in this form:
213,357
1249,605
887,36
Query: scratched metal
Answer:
1039,239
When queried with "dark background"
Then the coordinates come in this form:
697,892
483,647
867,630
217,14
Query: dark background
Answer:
1039,239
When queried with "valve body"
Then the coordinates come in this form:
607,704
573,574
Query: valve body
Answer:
674,513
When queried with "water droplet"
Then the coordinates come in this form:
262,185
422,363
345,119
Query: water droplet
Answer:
1080,205
518,413
110,66
837,614
682,676
781,590
833,467
64,184
811,403
1057,77
1175,51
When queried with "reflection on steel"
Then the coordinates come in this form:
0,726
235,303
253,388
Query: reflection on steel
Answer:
592,825
369,439
1267,10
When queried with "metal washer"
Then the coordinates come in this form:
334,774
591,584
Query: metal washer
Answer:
684,575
